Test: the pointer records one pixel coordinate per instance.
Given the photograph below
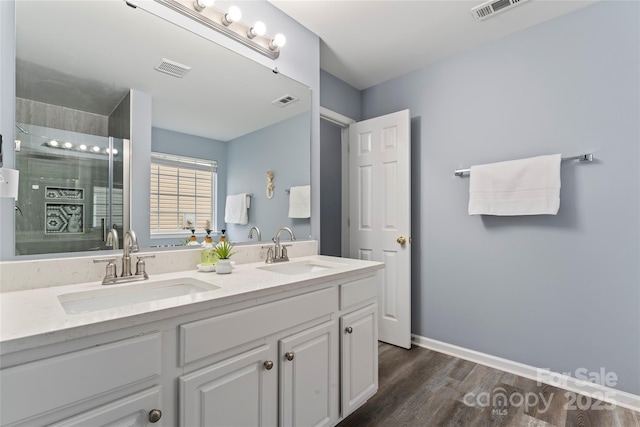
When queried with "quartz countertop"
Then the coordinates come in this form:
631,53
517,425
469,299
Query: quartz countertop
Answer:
35,317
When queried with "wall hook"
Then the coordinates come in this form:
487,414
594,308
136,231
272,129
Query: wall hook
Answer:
270,186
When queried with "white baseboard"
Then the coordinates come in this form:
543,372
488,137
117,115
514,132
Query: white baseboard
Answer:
592,390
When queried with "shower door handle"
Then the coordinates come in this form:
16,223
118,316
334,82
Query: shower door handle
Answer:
103,224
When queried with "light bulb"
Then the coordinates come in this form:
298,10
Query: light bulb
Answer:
68,145
53,143
95,149
232,16
200,5
82,147
278,41
258,29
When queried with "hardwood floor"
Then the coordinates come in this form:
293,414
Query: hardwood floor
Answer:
421,387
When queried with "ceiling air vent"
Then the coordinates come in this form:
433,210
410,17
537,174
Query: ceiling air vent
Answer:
284,101
491,8
171,67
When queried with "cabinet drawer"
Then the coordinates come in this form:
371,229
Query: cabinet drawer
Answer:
130,411
210,336
358,291
39,387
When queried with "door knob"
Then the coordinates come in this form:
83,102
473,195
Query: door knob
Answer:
268,364
289,355
401,240
155,415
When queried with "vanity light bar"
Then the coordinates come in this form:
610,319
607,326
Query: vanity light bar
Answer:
235,30
67,146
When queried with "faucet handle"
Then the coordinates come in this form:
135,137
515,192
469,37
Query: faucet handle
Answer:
140,265
111,268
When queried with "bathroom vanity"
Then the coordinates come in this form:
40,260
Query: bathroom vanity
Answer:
291,344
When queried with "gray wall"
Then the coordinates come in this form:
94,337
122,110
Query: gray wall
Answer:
559,292
120,119
339,96
284,149
170,142
331,191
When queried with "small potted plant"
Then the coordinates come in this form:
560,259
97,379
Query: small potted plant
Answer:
223,251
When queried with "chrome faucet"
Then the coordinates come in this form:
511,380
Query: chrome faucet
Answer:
259,236
280,251
130,245
112,239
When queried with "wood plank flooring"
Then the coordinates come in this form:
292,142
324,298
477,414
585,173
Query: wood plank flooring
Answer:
421,387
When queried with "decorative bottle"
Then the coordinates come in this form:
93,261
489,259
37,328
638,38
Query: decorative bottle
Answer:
208,255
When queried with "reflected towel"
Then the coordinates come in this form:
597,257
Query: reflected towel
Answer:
300,202
518,187
9,182
235,210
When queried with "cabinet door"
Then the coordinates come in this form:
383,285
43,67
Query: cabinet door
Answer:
359,341
132,411
239,391
309,377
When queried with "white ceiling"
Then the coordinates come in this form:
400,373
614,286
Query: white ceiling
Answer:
86,55
366,42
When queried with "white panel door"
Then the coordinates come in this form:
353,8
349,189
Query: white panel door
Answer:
380,214
240,391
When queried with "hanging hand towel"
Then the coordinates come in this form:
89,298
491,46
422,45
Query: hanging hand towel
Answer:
300,202
518,187
235,210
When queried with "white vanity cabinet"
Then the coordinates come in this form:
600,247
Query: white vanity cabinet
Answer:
86,386
288,376
300,355
137,410
358,343
239,391
309,377
359,357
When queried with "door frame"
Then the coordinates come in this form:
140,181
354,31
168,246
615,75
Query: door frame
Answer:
344,122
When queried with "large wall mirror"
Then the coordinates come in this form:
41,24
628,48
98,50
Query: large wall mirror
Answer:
76,62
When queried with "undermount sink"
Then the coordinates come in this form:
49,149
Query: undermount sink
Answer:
301,267
101,299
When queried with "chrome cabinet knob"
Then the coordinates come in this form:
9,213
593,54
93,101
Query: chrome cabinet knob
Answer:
268,364
289,355
155,415
348,330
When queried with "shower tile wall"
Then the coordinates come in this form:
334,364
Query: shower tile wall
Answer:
53,116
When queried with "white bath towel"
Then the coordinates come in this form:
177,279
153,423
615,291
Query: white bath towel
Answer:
235,210
300,202
518,187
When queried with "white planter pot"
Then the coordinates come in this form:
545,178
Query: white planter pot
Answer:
224,266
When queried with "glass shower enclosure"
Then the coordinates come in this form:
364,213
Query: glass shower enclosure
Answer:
70,190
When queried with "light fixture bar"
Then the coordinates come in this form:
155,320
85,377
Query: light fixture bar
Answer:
221,28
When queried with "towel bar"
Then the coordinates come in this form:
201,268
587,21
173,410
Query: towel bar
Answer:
582,158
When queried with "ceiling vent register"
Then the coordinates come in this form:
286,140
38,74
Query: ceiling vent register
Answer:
284,101
493,7
173,68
